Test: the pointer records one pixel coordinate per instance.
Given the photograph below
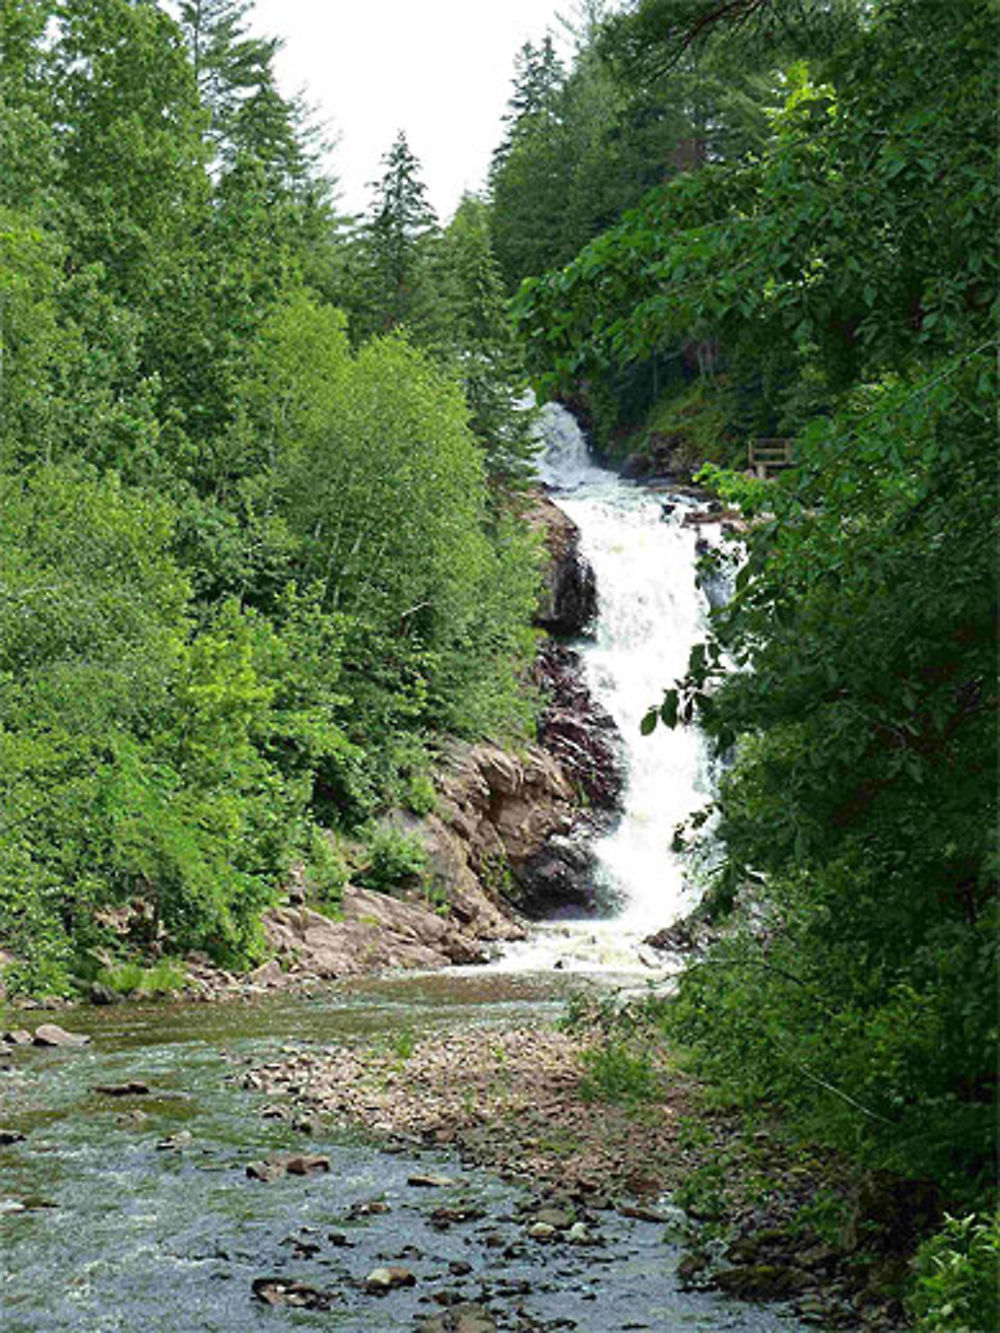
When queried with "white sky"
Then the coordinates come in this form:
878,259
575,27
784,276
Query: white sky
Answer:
439,69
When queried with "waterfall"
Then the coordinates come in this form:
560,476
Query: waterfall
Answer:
650,612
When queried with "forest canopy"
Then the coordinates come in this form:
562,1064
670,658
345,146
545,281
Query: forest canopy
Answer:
259,468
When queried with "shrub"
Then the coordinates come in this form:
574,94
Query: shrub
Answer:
957,1277
617,1074
394,858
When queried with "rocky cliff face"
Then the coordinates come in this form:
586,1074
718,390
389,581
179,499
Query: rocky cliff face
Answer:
496,811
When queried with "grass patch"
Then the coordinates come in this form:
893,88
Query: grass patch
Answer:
163,978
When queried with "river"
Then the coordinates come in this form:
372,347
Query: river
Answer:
135,1213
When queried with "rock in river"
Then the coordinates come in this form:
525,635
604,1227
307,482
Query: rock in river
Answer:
381,1280
279,1291
131,1089
51,1034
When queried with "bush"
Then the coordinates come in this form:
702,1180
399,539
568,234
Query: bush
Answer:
957,1277
395,860
617,1074
131,978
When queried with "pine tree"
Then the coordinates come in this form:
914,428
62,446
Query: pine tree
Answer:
483,350
532,169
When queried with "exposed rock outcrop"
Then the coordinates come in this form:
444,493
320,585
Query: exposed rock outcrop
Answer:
376,932
577,730
495,812
568,605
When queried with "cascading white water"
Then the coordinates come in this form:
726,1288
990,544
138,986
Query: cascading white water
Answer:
650,612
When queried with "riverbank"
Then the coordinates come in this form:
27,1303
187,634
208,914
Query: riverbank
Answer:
589,1124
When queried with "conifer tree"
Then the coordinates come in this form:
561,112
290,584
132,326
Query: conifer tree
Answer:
401,229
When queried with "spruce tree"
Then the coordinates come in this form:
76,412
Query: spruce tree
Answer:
399,234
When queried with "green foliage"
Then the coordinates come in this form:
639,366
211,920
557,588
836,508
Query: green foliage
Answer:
246,568
957,1277
327,869
702,1192
394,860
148,982
616,1074
850,682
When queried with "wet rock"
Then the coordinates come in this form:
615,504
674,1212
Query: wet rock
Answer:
51,1034
11,1206
381,1280
442,1218
574,598
459,1268
9,1136
577,730
278,1291
542,1231
641,1213
302,1165
762,1282
462,1317
367,1208
18,1037
561,874
339,1240
471,1317
559,1218
265,1171
133,1117
690,934
175,1142
691,1266
569,598
580,1234
99,993
305,1249
429,1181
133,1088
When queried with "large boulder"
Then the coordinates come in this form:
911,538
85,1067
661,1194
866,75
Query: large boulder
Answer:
495,812
561,874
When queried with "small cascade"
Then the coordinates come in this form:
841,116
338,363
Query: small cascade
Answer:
650,613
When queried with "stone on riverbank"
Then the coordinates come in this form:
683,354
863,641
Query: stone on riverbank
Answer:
430,1181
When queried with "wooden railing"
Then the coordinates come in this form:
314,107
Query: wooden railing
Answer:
769,456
